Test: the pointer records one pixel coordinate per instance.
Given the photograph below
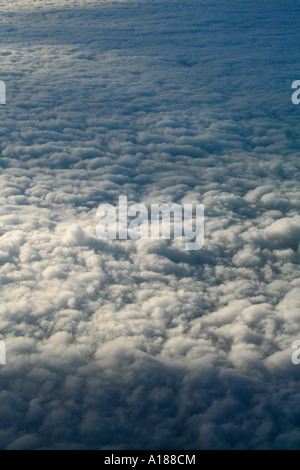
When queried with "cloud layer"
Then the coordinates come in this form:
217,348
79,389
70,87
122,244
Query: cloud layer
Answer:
143,345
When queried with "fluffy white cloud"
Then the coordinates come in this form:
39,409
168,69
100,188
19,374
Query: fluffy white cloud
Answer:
141,344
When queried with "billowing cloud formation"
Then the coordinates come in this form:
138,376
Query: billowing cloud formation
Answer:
142,345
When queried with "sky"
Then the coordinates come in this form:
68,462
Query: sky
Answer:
120,344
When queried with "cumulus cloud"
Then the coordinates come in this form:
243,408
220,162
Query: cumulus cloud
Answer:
141,344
